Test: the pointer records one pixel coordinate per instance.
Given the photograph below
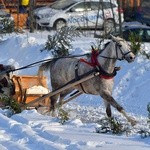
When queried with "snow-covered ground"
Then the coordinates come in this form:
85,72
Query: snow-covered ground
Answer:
31,130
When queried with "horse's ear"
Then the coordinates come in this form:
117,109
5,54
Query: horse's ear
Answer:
117,39
113,37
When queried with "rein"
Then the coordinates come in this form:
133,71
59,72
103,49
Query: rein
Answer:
40,62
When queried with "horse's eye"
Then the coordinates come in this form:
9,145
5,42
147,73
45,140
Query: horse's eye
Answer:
119,45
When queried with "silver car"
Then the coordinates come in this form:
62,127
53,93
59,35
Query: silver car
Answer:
79,13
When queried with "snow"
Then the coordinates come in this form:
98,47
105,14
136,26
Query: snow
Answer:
37,90
30,130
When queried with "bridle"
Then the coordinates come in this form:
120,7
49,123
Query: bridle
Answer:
117,46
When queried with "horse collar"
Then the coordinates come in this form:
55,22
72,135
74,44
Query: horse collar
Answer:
94,63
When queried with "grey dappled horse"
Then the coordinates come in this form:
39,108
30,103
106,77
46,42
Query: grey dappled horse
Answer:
64,70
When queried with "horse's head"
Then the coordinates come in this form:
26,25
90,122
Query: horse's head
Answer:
123,50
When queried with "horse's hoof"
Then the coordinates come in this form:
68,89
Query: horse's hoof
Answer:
54,113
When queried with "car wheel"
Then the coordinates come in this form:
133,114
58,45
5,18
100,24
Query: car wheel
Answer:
59,24
109,26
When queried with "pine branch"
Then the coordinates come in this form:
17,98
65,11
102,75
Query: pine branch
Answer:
60,43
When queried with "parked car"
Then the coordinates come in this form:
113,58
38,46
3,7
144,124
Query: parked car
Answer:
79,13
142,30
6,21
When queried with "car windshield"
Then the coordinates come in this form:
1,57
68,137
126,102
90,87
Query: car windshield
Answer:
143,33
107,5
62,4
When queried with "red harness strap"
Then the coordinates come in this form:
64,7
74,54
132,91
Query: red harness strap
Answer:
94,63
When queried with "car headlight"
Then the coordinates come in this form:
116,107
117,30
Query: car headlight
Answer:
37,17
42,16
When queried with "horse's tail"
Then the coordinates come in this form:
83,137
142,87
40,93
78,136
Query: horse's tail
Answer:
43,67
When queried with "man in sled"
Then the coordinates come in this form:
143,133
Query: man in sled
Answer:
6,84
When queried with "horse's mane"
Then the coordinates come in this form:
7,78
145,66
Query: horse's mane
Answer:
106,44
100,50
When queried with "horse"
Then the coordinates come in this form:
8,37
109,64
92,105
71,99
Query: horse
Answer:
63,70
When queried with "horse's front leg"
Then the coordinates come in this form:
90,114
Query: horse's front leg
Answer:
111,101
108,109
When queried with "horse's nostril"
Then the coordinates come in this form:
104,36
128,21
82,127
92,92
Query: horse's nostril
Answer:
131,57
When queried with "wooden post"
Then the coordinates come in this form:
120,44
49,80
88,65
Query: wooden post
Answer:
120,23
113,13
18,4
31,21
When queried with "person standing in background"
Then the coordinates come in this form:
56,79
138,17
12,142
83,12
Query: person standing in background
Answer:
23,5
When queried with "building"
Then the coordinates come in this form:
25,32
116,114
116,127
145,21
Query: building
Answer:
13,4
130,3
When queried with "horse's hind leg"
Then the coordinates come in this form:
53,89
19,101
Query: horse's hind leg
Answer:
61,100
63,95
53,103
112,102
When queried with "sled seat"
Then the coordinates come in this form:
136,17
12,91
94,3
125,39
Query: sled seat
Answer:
29,88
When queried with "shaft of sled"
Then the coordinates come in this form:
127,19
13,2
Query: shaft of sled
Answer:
63,88
69,99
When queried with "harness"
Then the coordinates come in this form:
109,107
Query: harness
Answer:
94,62
77,77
